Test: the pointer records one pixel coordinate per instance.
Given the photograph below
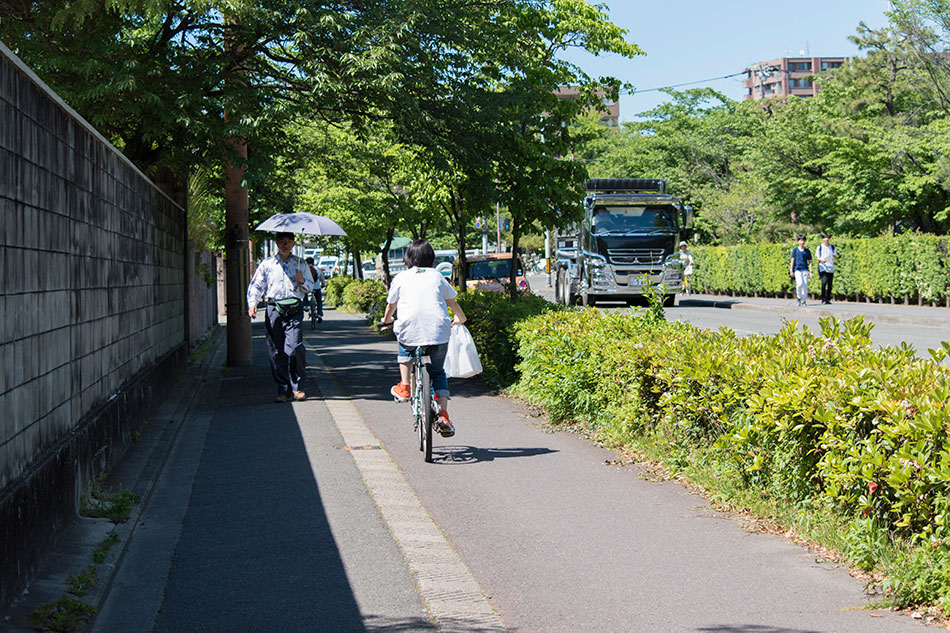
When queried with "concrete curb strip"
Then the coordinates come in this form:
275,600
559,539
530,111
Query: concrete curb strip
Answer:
452,595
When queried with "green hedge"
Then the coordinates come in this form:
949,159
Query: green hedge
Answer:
333,294
817,419
367,295
909,267
492,318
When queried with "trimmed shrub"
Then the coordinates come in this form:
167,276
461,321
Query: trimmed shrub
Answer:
911,266
333,293
364,295
492,320
813,418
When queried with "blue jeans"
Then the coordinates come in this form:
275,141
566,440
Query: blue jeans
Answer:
440,382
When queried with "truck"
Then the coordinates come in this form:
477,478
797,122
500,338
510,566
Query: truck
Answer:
627,242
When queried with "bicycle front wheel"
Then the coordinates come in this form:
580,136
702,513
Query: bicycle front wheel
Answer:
426,415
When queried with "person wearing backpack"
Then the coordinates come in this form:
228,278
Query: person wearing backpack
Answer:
827,254
319,283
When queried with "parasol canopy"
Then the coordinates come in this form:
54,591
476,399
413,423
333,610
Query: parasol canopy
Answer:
307,223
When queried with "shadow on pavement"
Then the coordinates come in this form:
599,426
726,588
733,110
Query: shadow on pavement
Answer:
752,628
377,624
470,454
256,551
368,373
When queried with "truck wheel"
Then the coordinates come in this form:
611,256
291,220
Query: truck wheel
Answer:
558,293
668,301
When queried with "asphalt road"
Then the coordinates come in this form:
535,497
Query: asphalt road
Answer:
923,328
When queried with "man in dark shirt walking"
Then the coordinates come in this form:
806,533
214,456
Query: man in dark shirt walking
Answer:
800,269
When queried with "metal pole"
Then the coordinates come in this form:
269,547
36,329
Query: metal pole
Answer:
498,226
547,255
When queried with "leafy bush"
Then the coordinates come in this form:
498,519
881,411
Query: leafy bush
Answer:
364,295
911,265
815,419
333,293
492,320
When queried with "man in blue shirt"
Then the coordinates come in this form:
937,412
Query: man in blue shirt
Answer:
800,269
283,281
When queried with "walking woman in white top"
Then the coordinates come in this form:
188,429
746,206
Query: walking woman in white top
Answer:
827,254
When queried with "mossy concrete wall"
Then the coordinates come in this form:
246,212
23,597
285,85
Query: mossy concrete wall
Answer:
93,296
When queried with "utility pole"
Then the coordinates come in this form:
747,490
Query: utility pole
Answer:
498,226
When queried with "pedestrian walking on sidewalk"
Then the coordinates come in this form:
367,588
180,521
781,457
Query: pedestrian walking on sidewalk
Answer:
827,254
319,281
420,297
687,259
283,281
800,269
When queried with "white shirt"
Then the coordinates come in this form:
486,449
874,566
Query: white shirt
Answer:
276,279
828,254
422,317
687,260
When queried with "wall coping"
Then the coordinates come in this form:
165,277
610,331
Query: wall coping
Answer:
23,68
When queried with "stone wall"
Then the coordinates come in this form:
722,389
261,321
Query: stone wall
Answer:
93,267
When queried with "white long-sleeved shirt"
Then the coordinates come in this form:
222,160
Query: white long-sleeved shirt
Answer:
276,279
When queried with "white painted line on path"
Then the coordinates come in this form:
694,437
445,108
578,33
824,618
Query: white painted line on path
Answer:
450,592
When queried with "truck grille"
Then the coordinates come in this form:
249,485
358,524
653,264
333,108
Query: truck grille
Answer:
636,256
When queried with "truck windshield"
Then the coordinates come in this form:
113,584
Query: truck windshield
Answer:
625,219
491,269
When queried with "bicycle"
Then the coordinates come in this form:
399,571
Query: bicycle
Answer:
312,310
422,400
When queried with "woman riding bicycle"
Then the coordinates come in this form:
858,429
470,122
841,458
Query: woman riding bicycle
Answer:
421,296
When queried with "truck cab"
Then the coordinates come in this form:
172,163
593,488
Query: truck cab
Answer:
627,242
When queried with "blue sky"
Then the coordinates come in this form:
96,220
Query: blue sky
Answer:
691,40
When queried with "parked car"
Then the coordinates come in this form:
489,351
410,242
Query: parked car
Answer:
491,272
330,266
444,259
369,270
312,252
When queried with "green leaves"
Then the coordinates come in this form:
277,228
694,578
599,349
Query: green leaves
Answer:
798,415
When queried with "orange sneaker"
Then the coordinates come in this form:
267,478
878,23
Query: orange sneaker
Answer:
400,392
443,425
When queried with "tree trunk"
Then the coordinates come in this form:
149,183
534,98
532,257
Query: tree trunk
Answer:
513,269
357,264
384,255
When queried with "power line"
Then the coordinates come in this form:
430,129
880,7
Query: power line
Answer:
688,83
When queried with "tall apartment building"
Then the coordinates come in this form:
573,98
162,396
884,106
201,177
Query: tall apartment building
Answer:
787,76
610,118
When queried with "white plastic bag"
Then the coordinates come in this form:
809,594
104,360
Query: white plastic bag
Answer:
461,360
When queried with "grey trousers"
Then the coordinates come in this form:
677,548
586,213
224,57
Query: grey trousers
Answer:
288,362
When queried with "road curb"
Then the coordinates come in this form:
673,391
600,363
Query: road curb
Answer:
923,320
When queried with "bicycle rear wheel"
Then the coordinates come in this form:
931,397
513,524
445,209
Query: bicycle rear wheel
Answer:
426,415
